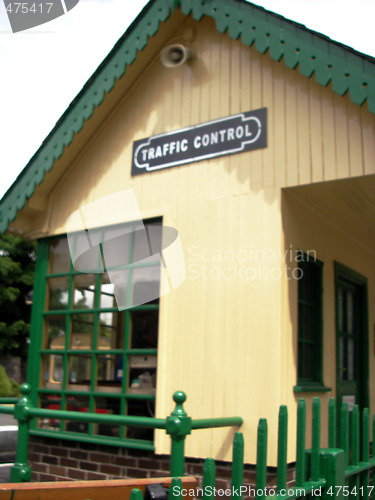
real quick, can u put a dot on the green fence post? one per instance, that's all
(332, 469)
(175, 490)
(136, 494)
(261, 464)
(282, 445)
(178, 426)
(365, 448)
(21, 471)
(237, 465)
(209, 479)
(344, 430)
(301, 441)
(332, 423)
(315, 439)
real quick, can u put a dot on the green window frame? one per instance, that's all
(310, 325)
(87, 354)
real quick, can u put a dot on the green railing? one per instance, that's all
(343, 469)
(178, 425)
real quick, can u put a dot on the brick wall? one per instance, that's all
(56, 460)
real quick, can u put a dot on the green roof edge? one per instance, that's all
(348, 70)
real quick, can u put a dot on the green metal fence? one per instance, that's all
(344, 469)
(178, 425)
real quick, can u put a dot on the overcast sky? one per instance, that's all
(43, 68)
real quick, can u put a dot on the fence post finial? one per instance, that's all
(178, 426)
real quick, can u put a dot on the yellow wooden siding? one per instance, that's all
(224, 341)
(313, 134)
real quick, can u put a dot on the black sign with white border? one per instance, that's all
(226, 136)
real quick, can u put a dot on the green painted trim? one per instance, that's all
(311, 388)
(313, 53)
(126, 443)
(36, 332)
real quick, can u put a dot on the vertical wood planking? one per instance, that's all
(279, 116)
(315, 123)
(342, 139)
(256, 100)
(368, 143)
(268, 102)
(303, 132)
(355, 140)
(291, 128)
(328, 135)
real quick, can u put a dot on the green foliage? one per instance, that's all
(17, 257)
(8, 388)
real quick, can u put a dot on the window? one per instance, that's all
(309, 363)
(93, 355)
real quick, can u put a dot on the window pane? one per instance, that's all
(120, 284)
(107, 406)
(144, 329)
(81, 404)
(117, 246)
(343, 368)
(309, 322)
(351, 347)
(340, 307)
(146, 284)
(142, 374)
(57, 295)
(82, 332)
(140, 408)
(59, 256)
(54, 332)
(147, 243)
(79, 372)
(84, 291)
(133, 287)
(86, 251)
(349, 311)
(107, 377)
(107, 293)
(111, 330)
(50, 402)
(52, 371)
